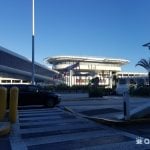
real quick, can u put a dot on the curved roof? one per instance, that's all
(55, 59)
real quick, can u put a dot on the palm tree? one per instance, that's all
(145, 64)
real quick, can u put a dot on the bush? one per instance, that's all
(74, 88)
(109, 91)
(81, 88)
(62, 87)
(140, 91)
(95, 92)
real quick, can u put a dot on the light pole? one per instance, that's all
(33, 67)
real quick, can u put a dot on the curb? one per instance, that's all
(84, 98)
(96, 119)
(108, 121)
(4, 128)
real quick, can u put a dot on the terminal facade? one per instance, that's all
(71, 70)
(78, 70)
(16, 69)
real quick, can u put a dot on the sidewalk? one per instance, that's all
(106, 110)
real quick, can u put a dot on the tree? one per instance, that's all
(145, 64)
(95, 81)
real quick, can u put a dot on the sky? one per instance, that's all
(100, 28)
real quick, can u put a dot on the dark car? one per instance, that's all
(35, 95)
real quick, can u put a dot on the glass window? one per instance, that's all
(6, 81)
(16, 81)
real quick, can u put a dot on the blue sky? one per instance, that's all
(101, 28)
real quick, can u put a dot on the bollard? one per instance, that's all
(3, 102)
(13, 104)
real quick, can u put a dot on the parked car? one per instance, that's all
(35, 95)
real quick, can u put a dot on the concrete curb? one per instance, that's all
(108, 121)
(85, 98)
(4, 128)
(96, 119)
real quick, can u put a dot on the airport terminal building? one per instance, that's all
(16, 69)
(77, 70)
(71, 70)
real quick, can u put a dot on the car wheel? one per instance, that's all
(50, 103)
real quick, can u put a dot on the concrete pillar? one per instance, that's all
(110, 79)
(70, 78)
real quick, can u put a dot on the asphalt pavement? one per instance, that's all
(57, 129)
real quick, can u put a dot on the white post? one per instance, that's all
(110, 79)
(70, 78)
(33, 67)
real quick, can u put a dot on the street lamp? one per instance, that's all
(147, 45)
(33, 67)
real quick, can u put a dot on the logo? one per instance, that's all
(141, 140)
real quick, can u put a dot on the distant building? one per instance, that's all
(4, 80)
(15, 68)
(131, 75)
(130, 79)
(78, 70)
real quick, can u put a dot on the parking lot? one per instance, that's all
(55, 128)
